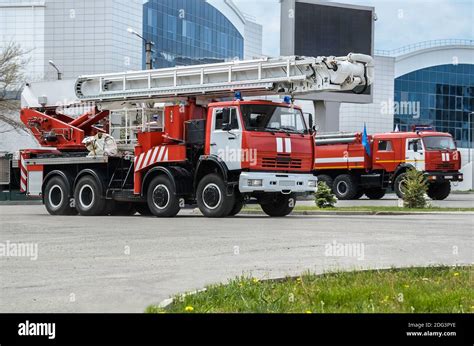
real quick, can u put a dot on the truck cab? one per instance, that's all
(266, 146)
(431, 152)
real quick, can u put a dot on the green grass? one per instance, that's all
(367, 209)
(429, 290)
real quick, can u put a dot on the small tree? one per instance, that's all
(324, 197)
(13, 60)
(415, 188)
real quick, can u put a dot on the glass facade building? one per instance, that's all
(445, 95)
(189, 32)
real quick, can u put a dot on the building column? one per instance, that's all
(327, 115)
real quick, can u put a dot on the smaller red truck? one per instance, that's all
(342, 161)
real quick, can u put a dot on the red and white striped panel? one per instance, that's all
(150, 157)
(24, 173)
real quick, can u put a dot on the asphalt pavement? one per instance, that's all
(123, 264)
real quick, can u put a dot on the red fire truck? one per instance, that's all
(185, 136)
(345, 165)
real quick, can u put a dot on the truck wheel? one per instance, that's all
(345, 187)
(161, 197)
(440, 191)
(399, 185)
(212, 198)
(88, 197)
(327, 179)
(375, 193)
(280, 206)
(56, 197)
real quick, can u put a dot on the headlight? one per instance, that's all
(312, 183)
(255, 182)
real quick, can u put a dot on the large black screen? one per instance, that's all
(329, 30)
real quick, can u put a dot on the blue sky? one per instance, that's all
(400, 22)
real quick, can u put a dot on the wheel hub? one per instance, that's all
(161, 196)
(211, 196)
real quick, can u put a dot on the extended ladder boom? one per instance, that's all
(289, 75)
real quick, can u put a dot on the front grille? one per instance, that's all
(281, 162)
(446, 166)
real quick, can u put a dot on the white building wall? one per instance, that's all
(22, 22)
(88, 36)
(253, 40)
(378, 116)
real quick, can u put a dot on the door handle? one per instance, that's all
(213, 144)
(231, 138)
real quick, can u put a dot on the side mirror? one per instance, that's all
(226, 127)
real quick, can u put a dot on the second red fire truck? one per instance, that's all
(351, 171)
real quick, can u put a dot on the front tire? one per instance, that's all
(399, 185)
(279, 206)
(440, 191)
(345, 187)
(161, 198)
(212, 198)
(88, 197)
(56, 197)
(375, 193)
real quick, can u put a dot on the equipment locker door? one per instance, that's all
(415, 153)
(226, 136)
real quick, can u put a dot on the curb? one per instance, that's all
(355, 213)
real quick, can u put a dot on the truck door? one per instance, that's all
(226, 136)
(384, 155)
(415, 153)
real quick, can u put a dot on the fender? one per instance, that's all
(213, 160)
(179, 177)
(66, 176)
(95, 174)
(400, 168)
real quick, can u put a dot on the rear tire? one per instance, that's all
(345, 187)
(56, 197)
(88, 197)
(212, 198)
(439, 192)
(279, 206)
(161, 197)
(398, 185)
(375, 193)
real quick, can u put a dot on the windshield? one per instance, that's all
(439, 143)
(273, 118)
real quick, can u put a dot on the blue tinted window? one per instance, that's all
(444, 95)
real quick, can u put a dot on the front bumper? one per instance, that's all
(438, 177)
(277, 182)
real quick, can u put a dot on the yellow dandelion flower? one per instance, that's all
(406, 286)
(255, 280)
(308, 312)
(188, 308)
(456, 274)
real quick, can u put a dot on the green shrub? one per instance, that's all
(324, 197)
(415, 188)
